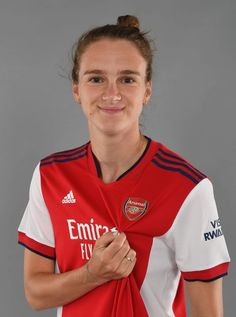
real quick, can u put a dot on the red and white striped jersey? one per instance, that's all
(166, 208)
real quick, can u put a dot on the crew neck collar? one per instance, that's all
(95, 169)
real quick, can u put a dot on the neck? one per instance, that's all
(117, 153)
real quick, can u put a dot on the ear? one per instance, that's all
(75, 92)
(148, 92)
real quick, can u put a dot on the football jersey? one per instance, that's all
(163, 204)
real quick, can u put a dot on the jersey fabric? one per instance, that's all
(163, 204)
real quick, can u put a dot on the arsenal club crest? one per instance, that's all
(135, 208)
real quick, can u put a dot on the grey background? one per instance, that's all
(192, 109)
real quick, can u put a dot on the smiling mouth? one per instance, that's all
(111, 110)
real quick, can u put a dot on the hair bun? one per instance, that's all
(128, 21)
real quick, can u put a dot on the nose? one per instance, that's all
(111, 93)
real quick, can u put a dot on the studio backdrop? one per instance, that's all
(192, 109)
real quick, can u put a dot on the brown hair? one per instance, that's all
(127, 28)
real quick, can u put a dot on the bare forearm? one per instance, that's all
(209, 310)
(47, 290)
(206, 299)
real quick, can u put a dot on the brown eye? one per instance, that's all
(96, 80)
(127, 80)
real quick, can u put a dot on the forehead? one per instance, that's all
(112, 55)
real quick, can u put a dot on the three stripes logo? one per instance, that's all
(69, 198)
(166, 160)
(66, 156)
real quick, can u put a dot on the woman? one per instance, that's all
(125, 219)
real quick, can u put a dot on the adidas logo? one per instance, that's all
(69, 198)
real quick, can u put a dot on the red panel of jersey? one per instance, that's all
(164, 205)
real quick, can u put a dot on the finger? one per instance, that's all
(125, 268)
(115, 245)
(129, 267)
(105, 240)
(130, 256)
(120, 254)
(123, 257)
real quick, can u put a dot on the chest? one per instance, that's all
(82, 209)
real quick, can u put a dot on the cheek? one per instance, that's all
(89, 104)
(136, 96)
(137, 104)
(92, 97)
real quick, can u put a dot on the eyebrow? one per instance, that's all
(101, 72)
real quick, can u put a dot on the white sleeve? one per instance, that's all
(35, 229)
(196, 236)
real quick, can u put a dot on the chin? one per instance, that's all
(112, 131)
(109, 127)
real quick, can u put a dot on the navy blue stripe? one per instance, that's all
(179, 159)
(171, 155)
(61, 154)
(210, 280)
(39, 253)
(65, 160)
(176, 170)
(180, 164)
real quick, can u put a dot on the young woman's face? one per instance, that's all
(112, 87)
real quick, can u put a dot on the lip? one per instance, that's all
(111, 110)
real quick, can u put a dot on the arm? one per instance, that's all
(45, 289)
(200, 250)
(205, 298)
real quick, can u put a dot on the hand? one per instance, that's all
(112, 258)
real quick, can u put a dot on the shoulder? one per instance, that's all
(65, 156)
(175, 166)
